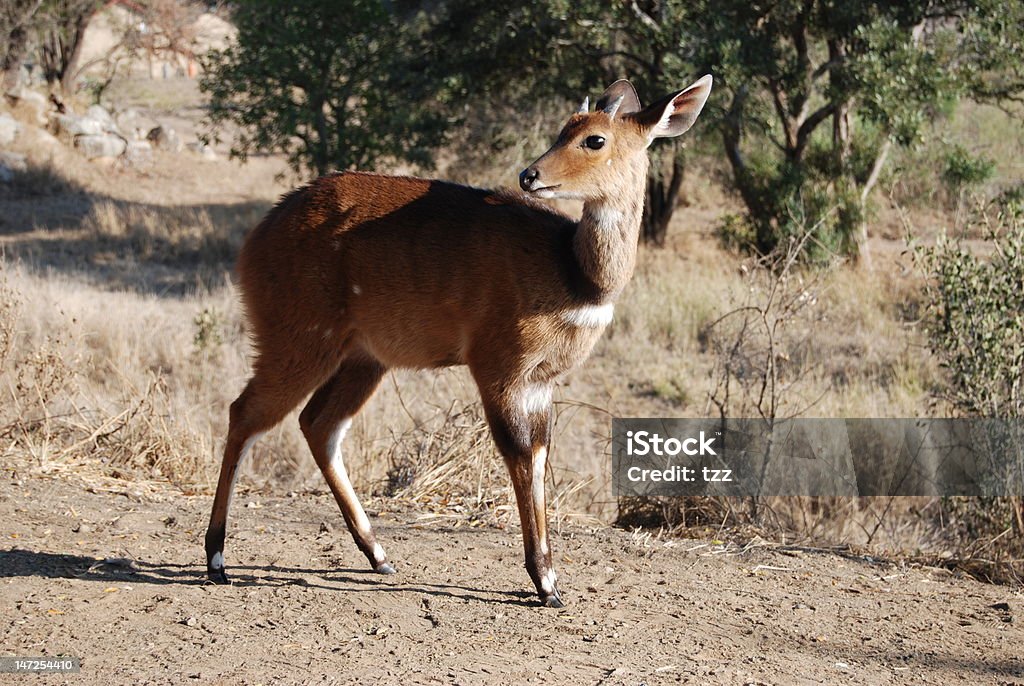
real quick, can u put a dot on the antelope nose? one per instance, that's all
(528, 178)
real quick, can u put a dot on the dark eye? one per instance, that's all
(594, 142)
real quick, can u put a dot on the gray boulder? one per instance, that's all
(14, 160)
(203, 150)
(10, 164)
(165, 138)
(101, 145)
(69, 126)
(29, 105)
(131, 124)
(101, 115)
(9, 129)
(139, 154)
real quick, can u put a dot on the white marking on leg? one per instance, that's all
(539, 464)
(536, 398)
(357, 289)
(249, 443)
(590, 315)
(337, 465)
(378, 553)
(548, 581)
(217, 561)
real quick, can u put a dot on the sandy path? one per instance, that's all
(304, 610)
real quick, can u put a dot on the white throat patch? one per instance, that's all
(607, 219)
(590, 315)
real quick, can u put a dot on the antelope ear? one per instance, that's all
(621, 91)
(676, 112)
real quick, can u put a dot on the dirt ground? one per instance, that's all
(113, 574)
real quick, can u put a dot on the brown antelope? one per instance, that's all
(357, 273)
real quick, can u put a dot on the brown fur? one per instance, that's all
(356, 273)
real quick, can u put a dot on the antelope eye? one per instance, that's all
(594, 142)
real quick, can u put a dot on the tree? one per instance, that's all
(810, 95)
(831, 85)
(15, 26)
(61, 28)
(323, 83)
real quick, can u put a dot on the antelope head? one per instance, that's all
(598, 151)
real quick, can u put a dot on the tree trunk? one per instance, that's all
(661, 202)
(74, 53)
(841, 116)
(11, 68)
(62, 48)
(863, 252)
(841, 135)
(15, 21)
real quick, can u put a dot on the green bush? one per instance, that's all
(975, 324)
(963, 170)
(976, 315)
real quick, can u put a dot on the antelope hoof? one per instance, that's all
(384, 568)
(217, 576)
(552, 601)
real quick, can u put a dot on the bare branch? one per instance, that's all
(644, 18)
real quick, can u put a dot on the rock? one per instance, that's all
(131, 123)
(139, 154)
(103, 117)
(9, 129)
(10, 164)
(164, 138)
(203, 150)
(29, 106)
(101, 145)
(14, 161)
(41, 138)
(69, 126)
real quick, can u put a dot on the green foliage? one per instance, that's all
(963, 170)
(821, 89)
(329, 84)
(976, 316)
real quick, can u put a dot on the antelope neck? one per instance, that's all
(606, 236)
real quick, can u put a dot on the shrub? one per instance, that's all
(975, 320)
(975, 325)
(963, 170)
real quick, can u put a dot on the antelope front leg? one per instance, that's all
(522, 433)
